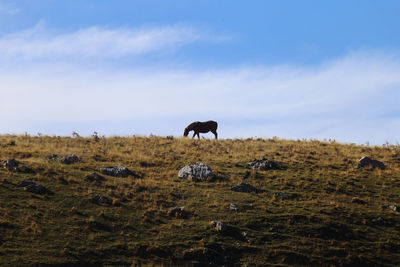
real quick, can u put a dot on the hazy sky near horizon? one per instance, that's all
(292, 69)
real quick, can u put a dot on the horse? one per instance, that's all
(201, 127)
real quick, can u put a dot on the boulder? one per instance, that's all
(196, 172)
(100, 200)
(382, 221)
(219, 226)
(392, 207)
(69, 159)
(24, 183)
(358, 200)
(11, 143)
(233, 207)
(36, 189)
(177, 212)
(11, 165)
(243, 187)
(52, 156)
(117, 171)
(33, 187)
(280, 194)
(24, 169)
(367, 161)
(264, 164)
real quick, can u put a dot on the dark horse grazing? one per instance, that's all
(202, 127)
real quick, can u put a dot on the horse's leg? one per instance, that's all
(198, 135)
(215, 133)
(194, 134)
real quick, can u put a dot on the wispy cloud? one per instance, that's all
(351, 99)
(99, 42)
(7, 8)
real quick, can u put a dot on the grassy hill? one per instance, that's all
(330, 214)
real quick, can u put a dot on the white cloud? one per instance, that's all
(99, 42)
(352, 99)
(8, 9)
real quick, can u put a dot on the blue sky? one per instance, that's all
(292, 69)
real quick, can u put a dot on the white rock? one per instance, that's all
(196, 172)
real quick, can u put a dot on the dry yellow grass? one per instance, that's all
(332, 214)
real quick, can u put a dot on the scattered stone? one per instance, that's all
(52, 156)
(25, 169)
(378, 221)
(11, 165)
(94, 177)
(11, 143)
(100, 200)
(233, 207)
(358, 200)
(219, 226)
(69, 159)
(24, 183)
(383, 222)
(75, 134)
(243, 187)
(392, 207)
(367, 161)
(117, 171)
(177, 212)
(196, 172)
(264, 164)
(280, 194)
(36, 189)
(95, 136)
(146, 164)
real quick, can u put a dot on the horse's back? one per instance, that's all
(203, 126)
(212, 125)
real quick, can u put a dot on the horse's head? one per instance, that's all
(186, 132)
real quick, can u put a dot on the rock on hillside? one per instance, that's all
(117, 171)
(32, 187)
(196, 172)
(69, 159)
(99, 200)
(243, 187)
(265, 165)
(219, 226)
(367, 161)
(36, 188)
(11, 165)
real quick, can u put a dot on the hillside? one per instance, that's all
(316, 209)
